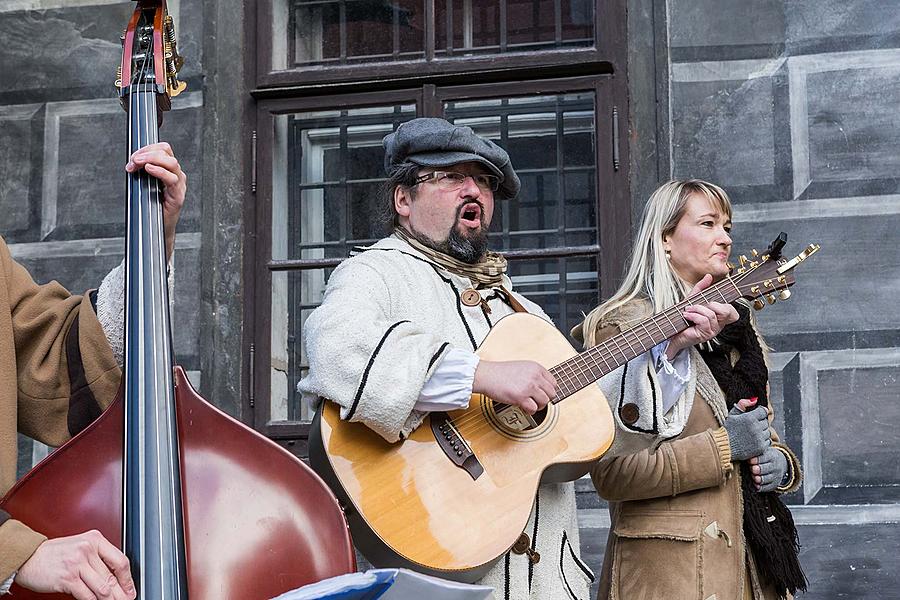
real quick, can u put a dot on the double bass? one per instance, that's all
(204, 507)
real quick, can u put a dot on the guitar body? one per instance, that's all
(408, 504)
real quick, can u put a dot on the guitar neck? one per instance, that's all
(584, 369)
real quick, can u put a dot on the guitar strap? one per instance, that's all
(511, 300)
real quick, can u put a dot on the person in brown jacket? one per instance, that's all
(693, 473)
(41, 326)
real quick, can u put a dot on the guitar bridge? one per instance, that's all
(454, 445)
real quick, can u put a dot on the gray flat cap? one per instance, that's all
(434, 142)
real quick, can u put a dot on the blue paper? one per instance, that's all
(387, 584)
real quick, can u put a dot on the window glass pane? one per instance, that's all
(550, 139)
(565, 299)
(335, 32)
(294, 296)
(327, 175)
(491, 26)
(340, 32)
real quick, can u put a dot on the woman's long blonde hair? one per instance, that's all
(649, 272)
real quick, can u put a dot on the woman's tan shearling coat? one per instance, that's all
(675, 503)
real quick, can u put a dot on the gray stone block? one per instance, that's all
(726, 22)
(723, 131)
(60, 49)
(17, 171)
(186, 317)
(850, 562)
(83, 192)
(77, 271)
(54, 51)
(849, 285)
(859, 415)
(838, 20)
(854, 133)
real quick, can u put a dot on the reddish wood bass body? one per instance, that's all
(258, 521)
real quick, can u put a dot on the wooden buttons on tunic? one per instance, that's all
(470, 297)
(523, 546)
(629, 413)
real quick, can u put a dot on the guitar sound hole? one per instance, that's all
(516, 419)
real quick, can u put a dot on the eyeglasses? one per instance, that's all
(450, 181)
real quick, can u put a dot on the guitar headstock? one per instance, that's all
(150, 55)
(762, 276)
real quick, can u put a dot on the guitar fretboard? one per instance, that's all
(583, 369)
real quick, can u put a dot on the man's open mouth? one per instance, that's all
(470, 215)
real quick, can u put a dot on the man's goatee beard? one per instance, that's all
(468, 249)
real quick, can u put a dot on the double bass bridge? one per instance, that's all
(454, 445)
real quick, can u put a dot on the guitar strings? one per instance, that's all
(569, 375)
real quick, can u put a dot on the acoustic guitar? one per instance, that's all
(453, 498)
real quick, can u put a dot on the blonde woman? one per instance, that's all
(693, 476)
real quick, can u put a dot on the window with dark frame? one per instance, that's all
(323, 32)
(321, 168)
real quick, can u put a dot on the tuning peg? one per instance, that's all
(770, 298)
(784, 294)
(754, 252)
(730, 266)
(743, 259)
(758, 304)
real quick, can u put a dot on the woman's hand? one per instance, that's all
(707, 321)
(769, 469)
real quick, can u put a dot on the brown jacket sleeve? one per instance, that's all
(64, 375)
(17, 543)
(689, 463)
(675, 466)
(57, 373)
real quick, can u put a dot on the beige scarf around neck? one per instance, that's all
(488, 272)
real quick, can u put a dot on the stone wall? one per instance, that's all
(791, 106)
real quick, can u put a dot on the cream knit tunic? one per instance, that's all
(387, 318)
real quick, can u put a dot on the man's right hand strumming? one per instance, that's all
(521, 383)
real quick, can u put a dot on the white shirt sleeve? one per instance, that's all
(4, 587)
(450, 384)
(673, 375)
